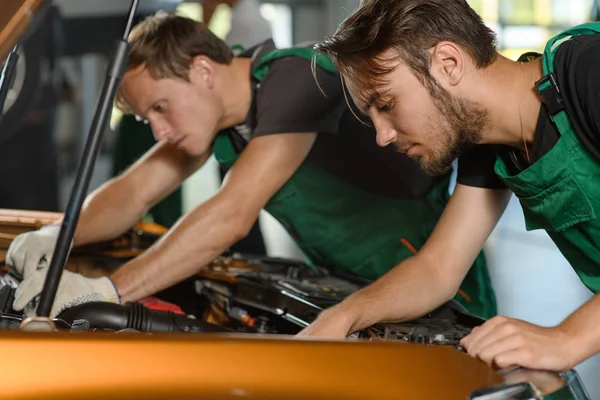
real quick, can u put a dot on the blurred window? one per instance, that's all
(279, 17)
(526, 25)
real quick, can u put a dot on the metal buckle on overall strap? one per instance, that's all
(550, 93)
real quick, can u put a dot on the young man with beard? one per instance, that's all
(428, 74)
(290, 149)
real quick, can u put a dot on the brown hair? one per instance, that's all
(411, 28)
(165, 44)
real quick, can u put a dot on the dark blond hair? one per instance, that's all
(411, 28)
(165, 44)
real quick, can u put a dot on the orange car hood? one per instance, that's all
(175, 366)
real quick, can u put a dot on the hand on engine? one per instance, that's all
(31, 251)
(505, 342)
(330, 324)
(74, 289)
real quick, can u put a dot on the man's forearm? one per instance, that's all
(108, 212)
(192, 243)
(397, 296)
(432, 277)
(582, 329)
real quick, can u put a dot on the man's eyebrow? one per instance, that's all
(373, 97)
(144, 114)
(147, 109)
(133, 110)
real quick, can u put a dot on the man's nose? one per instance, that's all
(386, 133)
(160, 129)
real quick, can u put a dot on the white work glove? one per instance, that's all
(73, 290)
(31, 251)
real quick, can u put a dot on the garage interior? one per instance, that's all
(63, 60)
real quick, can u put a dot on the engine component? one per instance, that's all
(134, 316)
(269, 295)
(446, 326)
(106, 316)
(8, 320)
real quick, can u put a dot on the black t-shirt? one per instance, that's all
(581, 87)
(577, 70)
(476, 168)
(288, 100)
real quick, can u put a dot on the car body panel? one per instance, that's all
(125, 365)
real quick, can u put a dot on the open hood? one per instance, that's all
(15, 18)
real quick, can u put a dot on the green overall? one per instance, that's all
(560, 192)
(339, 225)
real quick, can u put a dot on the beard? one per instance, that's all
(462, 124)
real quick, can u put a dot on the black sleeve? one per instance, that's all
(476, 168)
(593, 92)
(583, 87)
(289, 99)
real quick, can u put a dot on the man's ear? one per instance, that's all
(202, 68)
(447, 63)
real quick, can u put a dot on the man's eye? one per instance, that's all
(159, 108)
(386, 107)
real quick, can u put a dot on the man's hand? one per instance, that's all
(31, 251)
(504, 342)
(73, 290)
(330, 324)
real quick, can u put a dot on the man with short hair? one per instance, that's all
(296, 152)
(428, 74)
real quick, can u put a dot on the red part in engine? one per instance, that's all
(154, 303)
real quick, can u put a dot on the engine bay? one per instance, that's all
(260, 297)
(247, 294)
(271, 296)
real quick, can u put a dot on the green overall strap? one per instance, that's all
(222, 143)
(559, 191)
(307, 53)
(548, 85)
